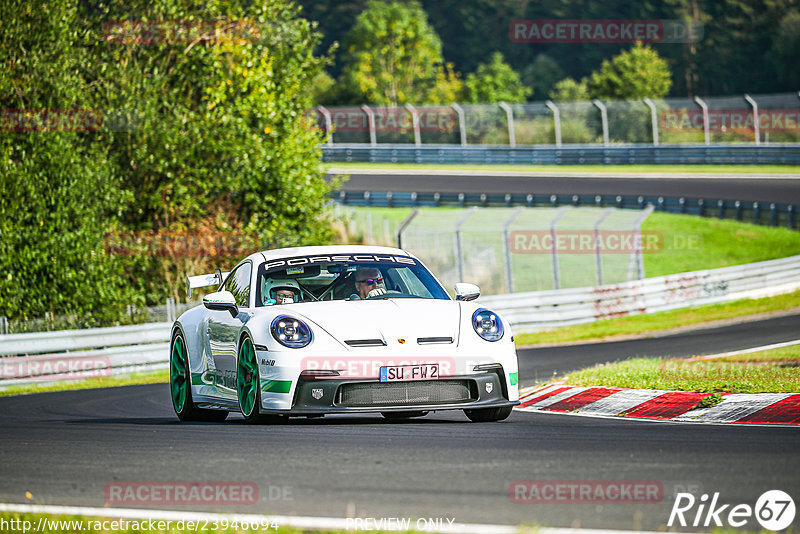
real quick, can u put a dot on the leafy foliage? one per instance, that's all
(395, 57)
(202, 135)
(568, 90)
(735, 55)
(495, 81)
(57, 186)
(636, 73)
(786, 49)
(541, 75)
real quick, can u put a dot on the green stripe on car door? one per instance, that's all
(513, 377)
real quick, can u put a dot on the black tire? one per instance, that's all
(180, 383)
(488, 415)
(403, 415)
(248, 387)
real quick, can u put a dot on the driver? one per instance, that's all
(369, 283)
(281, 292)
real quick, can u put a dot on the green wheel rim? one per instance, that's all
(177, 374)
(247, 377)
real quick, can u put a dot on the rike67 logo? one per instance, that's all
(774, 510)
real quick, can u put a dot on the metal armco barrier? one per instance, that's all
(37, 357)
(549, 309)
(770, 214)
(75, 354)
(641, 154)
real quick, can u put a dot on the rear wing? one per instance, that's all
(204, 280)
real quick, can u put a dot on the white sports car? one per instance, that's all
(310, 331)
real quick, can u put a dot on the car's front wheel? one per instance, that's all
(180, 385)
(487, 415)
(248, 386)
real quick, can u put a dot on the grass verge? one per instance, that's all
(691, 243)
(67, 524)
(652, 323)
(783, 354)
(718, 169)
(703, 376)
(149, 377)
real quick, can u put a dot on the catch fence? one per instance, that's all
(754, 119)
(508, 250)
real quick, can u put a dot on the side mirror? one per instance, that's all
(466, 291)
(221, 301)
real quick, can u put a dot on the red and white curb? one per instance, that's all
(743, 408)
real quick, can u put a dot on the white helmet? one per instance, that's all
(269, 288)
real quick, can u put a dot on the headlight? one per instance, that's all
(291, 332)
(487, 325)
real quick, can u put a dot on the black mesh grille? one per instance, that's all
(402, 393)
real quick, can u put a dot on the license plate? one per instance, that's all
(400, 373)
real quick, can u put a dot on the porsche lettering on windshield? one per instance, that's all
(315, 260)
(347, 277)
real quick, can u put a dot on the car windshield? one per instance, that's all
(344, 277)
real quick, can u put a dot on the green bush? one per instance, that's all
(214, 142)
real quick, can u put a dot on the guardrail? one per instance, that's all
(540, 310)
(771, 214)
(33, 357)
(76, 354)
(642, 154)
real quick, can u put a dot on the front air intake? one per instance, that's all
(368, 394)
(434, 340)
(365, 342)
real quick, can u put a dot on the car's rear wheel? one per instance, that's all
(248, 386)
(487, 415)
(180, 385)
(403, 415)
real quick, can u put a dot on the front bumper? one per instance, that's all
(465, 392)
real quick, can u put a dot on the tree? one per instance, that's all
(495, 81)
(636, 73)
(60, 194)
(542, 75)
(395, 57)
(568, 90)
(786, 49)
(215, 142)
(323, 88)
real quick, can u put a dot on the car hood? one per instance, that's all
(386, 319)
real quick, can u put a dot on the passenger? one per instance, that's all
(281, 292)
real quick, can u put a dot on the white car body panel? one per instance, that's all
(213, 339)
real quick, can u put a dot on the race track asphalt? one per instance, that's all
(66, 447)
(761, 189)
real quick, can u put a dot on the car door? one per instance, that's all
(223, 330)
